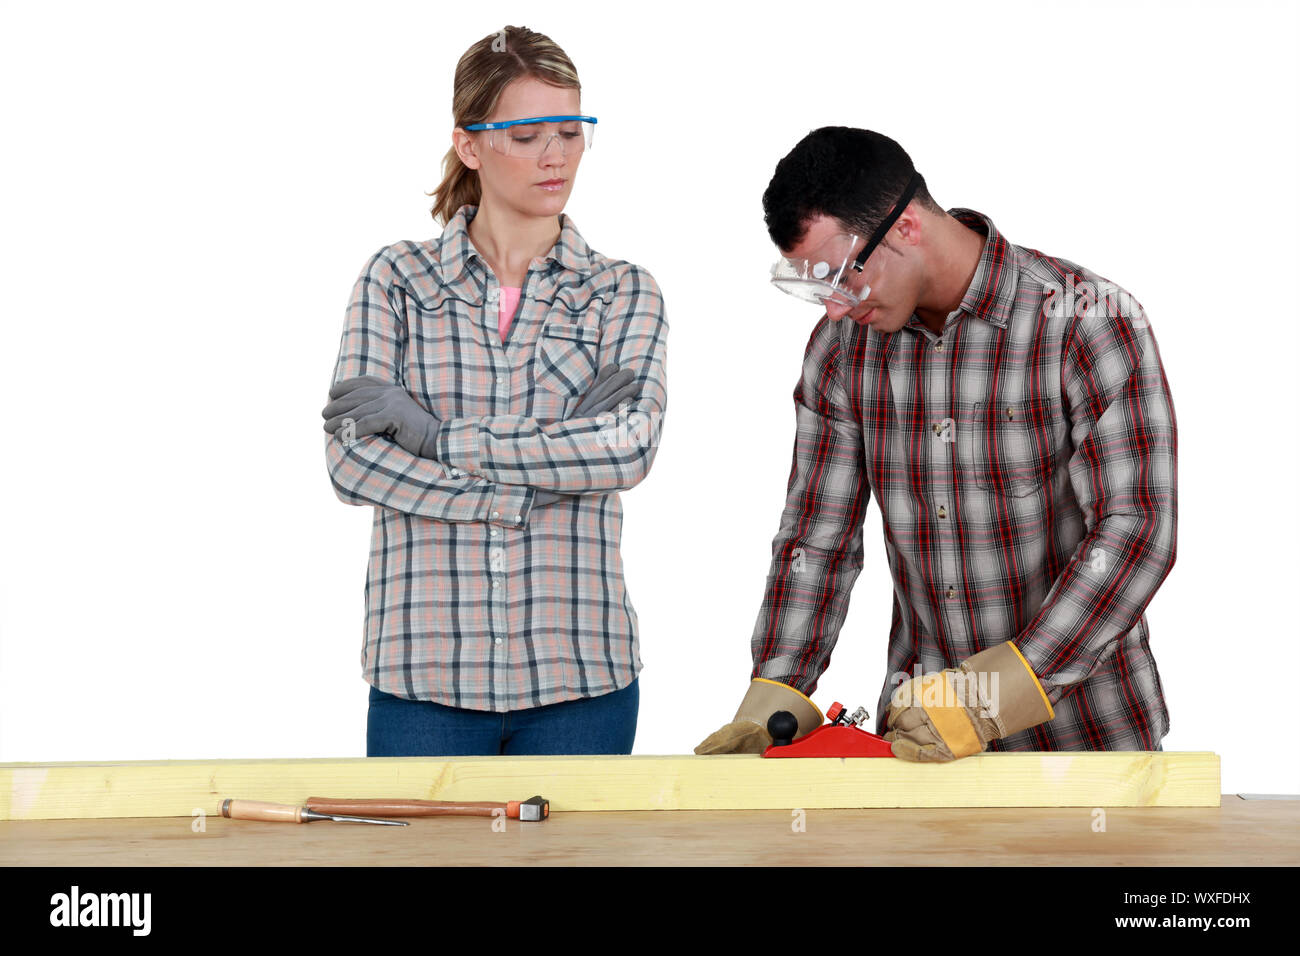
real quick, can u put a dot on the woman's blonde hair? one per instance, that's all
(487, 68)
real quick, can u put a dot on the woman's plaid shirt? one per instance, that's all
(473, 598)
(1024, 461)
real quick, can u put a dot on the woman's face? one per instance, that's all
(517, 181)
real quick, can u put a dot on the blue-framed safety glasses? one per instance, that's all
(532, 136)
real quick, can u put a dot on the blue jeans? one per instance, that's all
(397, 727)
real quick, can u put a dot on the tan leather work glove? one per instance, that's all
(747, 732)
(955, 712)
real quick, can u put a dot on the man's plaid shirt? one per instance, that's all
(473, 598)
(1024, 461)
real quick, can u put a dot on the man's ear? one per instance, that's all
(909, 226)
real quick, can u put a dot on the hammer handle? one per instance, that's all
(411, 808)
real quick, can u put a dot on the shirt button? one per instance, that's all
(518, 518)
(500, 379)
(938, 346)
(1011, 413)
(494, 532)
(496, 514)
(951, 592)
(492, 294)
(496, 583)
(498, 640)
(943, 512)
(938, 428)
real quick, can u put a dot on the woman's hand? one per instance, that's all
(612, 387)
(377, 408)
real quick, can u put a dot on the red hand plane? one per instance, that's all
(841, 737)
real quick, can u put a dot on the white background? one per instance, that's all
(190, 191)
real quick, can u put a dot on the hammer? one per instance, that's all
(536, 808)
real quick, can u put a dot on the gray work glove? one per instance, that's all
(378, 407)
(612, 386)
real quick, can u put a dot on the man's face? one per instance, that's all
(891, 299)
(524, 182)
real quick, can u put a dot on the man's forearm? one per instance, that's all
(1099, 596)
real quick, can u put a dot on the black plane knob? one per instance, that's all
(782, 725)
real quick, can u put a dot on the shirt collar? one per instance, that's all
(992, 292)
(456, 250)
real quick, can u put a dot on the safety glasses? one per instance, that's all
(825, 276)
(532, 136)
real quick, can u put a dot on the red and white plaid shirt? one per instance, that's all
(1024, 461)
(473, 598)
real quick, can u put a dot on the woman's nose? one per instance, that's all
(555, 155)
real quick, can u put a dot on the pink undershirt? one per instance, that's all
(509, 302)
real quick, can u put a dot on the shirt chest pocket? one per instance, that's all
(1013, 446)
(566, 358)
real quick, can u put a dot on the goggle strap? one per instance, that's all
(887, 223)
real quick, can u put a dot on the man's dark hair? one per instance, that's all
(853, 175)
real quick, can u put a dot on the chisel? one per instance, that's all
(284, 813)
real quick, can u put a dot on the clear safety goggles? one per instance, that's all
(826, 276)
(532, 137)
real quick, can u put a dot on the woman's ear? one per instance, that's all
(466, 148)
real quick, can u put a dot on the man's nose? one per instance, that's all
(835, 311)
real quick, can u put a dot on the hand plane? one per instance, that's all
(842, 736)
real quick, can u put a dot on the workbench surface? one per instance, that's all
(1238, 833)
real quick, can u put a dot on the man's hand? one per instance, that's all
(612, 386)
(956, 712)
(747, 732)
(378, 407)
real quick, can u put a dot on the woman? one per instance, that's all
(484, 389)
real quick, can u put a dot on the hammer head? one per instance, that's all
(536, 808)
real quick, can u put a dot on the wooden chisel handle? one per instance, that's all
(408, 808)
(258, 810)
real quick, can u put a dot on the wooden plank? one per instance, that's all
(1240, 833)
(30, 791)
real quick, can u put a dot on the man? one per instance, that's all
(1011, 413)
